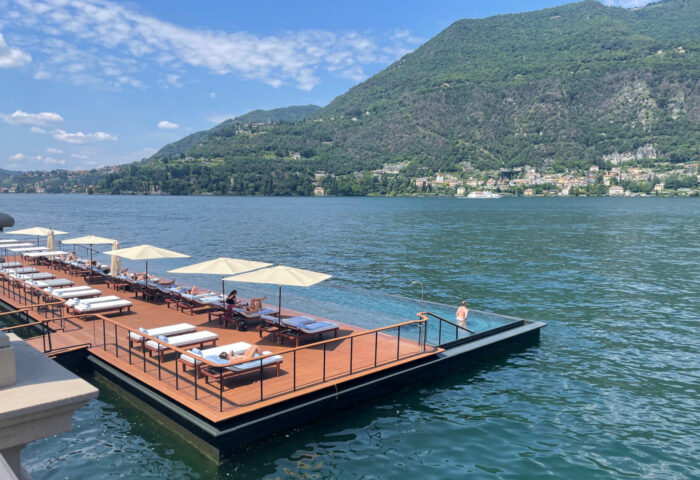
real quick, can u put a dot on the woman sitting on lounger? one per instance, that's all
(231, 303)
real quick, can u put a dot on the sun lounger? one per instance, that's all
(104, 307)
(238, 348)
(90, 292)
(36, 276)
(10, 264)
(182, 341)
(25, 270)
(53, 283)
(298, 328)
(216, 374)
(199, 303)
(75, 301)
(253, 315)
(68, 289)
(168, 330)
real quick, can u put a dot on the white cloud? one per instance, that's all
(627, 3)
(12, 57)
(53, 161)
(17, 156)
(37, 130)
(173, 80)
(53, 150)
(135, 39)
(167, 125)
(23, 118)
(79, 156)
(212, 95)
(80, 137)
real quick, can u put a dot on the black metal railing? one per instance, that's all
(339, 357)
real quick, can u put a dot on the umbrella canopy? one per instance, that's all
(281, 275)
(38, 231)
(145, 252)
(51, 241)
(115, 266)
(89, 240)
(221, 266)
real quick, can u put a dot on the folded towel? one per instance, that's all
(143, 330)
(196, 351)
(163, 338)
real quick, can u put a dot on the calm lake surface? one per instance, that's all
(610, 391)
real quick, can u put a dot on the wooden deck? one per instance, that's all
(302, 370)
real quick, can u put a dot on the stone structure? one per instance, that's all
(37, 400)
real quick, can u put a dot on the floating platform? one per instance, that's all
(314, 379)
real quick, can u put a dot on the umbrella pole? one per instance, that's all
(146, 273)
(279, 307)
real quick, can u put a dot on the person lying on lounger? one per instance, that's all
(249, 354)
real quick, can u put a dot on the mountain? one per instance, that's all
(556, 89)
(277, 115)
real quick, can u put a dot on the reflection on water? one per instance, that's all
(610, 391)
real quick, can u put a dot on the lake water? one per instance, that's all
(610, 391)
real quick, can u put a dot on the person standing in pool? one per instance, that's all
(462, 314)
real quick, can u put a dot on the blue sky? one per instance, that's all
(88, 83)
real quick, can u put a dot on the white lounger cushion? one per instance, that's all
(259, 313)
(171, 330)
(86, 307)
(59, 291)
(79, 293)
(239, 348)
(253, 364)
(184, 340)
(92, 301)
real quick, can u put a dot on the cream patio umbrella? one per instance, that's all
(115, 266)
(51, 241)
(281, 275)
(145, 252)
(222, 266)
(38, 232)
(89, 240)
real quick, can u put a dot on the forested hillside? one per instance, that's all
(557, 89)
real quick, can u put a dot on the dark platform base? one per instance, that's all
(226, 437)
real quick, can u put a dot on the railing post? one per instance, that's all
(221, 389)
(261, 380)
(376, 341)
(294, 372)
(116, 341)
(159, 361)
(177, 375)
(196, 375)
(439, 332)
(425, 334)
(143, 352)
(398, 343)
(456, 332)
(324, 362)
(104, 335)
(351, 345)
(129, 337)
